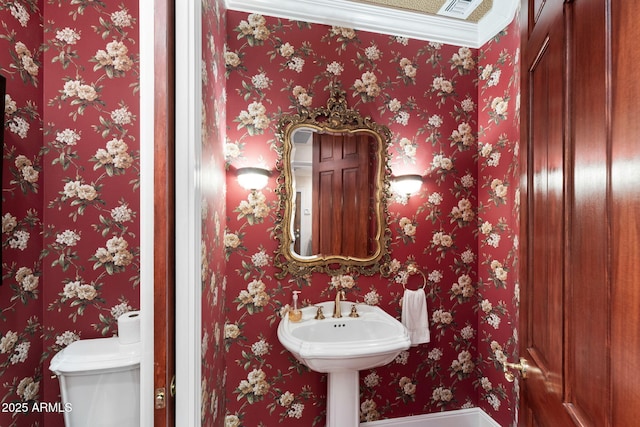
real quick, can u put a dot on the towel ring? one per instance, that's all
(412, 269)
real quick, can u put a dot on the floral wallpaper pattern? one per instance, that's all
(454, 118)
(453, 115)
(213, 213)
(70, 237)
(498, 221)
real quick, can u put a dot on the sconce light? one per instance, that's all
(406, 185)
(253, 178)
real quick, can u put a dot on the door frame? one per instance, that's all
(187, 207)
(147, 111)
(164, 214)
(188, 155)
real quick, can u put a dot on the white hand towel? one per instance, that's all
(414, 316)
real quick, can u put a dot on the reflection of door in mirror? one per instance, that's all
(335, 184)
(301, 155)
(296, 222)
(342, 193)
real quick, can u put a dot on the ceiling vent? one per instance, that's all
(302, 136)
(459, 8)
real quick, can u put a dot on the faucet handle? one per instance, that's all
(319, 313)
(354, 311)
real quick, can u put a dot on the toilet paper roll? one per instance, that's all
(129, 327)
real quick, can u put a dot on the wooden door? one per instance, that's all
(625, 215)
(542, 298)
(341, 194)
(587, 301)
(580, 303)
(164, 217)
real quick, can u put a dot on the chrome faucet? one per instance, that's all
(337, 312)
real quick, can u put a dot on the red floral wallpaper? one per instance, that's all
(70, 241)
(213, 213)
(452, 112)
(21, 372)
(498, 221)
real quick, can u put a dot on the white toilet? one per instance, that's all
(99, 383)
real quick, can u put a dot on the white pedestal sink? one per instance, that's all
(341, 347)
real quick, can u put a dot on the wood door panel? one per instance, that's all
(588, 296)
(350, 147)
(353, 223)
(324, 214)
(544, 337)
(625, 218)
(341, 193)
(546, 409)
(599, 381)
(539, 337)
(544, 393)
(325, 147)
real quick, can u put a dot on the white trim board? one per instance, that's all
(473, 417)
(385, 20)
(188, 241)
(146, 209)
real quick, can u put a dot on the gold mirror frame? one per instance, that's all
(338, 118)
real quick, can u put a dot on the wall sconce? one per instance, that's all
(253, 179)
(406, 185)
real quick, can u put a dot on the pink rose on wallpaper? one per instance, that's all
(499, 109)
(254, 298)
(255, 29)
(114, 59)
(463, 61)
(302, 97)
(25, 61)
(115, 158)
(255, 209)
(114, 257)
(367, 87)
(254, 119)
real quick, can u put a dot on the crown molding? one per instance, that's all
(384, 20)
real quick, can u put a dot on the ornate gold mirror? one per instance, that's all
(333, 187)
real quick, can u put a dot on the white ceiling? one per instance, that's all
(388, 20)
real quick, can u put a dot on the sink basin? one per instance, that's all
(341, 347)
(346, 343)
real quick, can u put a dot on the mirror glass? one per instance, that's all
(333, 188)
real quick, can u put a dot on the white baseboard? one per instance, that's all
(473, 417)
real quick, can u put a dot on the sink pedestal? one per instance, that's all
(343, 399)
(342, 348)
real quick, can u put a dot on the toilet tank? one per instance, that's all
(99, 383)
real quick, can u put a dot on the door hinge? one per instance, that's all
(160, 398)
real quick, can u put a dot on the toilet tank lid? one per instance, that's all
(95, 354)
